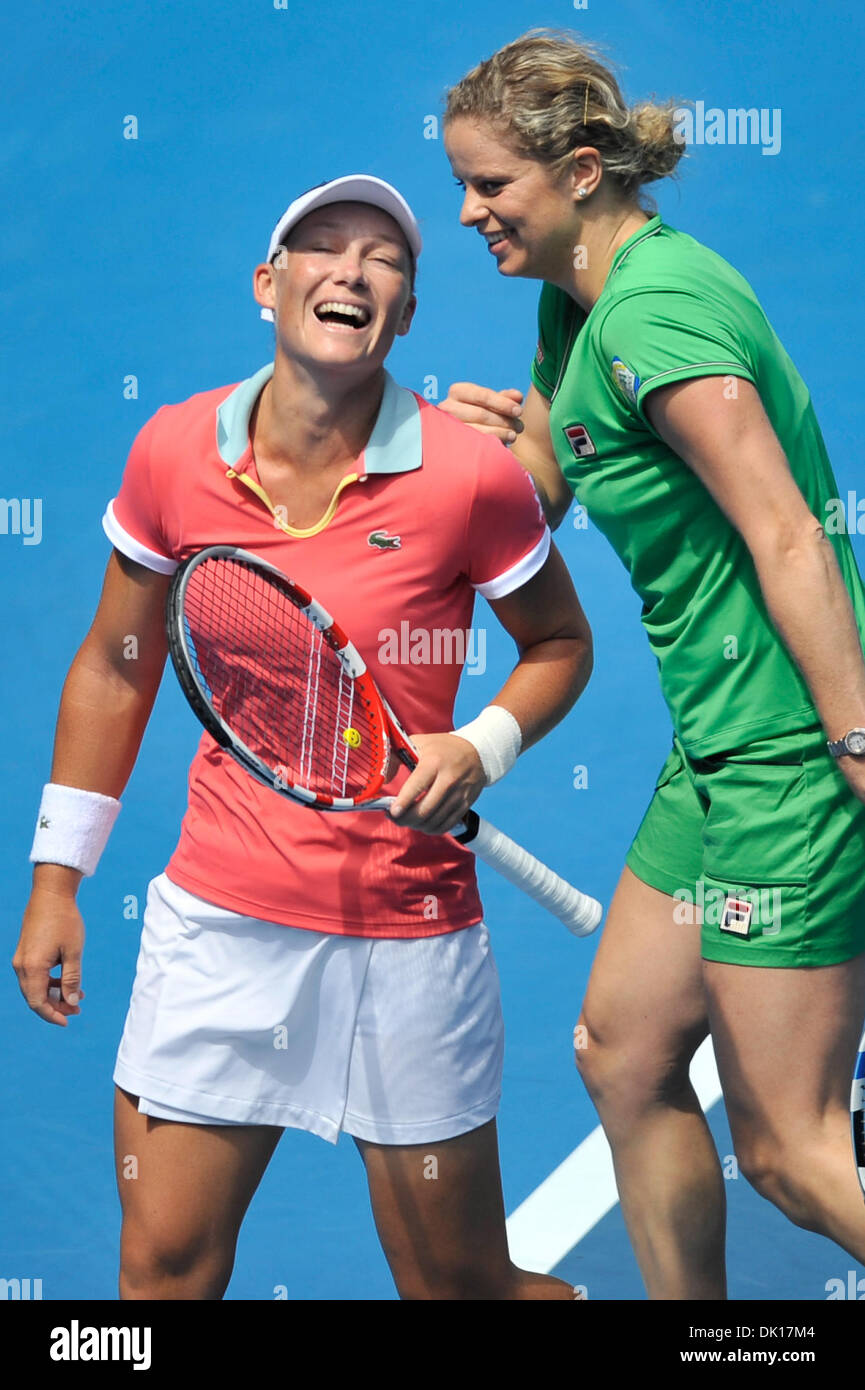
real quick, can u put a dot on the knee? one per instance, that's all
(162, 1262)
(785, 1177)
(594, 1060)
(626, 1074)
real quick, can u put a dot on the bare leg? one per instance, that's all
(184, 1190)
(644, 1017)
(440, 1217)
(786, 1043)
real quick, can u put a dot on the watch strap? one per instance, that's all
(840, 747)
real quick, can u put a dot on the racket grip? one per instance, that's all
(580, 914)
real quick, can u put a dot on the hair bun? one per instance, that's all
(659, 147)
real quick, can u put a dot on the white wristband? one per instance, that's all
(72, 827)
(497, 738)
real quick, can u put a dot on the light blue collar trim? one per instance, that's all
(232, 417)
(395, 445)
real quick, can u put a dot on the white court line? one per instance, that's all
(580, 1192)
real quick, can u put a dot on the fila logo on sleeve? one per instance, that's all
(580, 441)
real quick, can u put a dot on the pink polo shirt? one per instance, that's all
(435, 513)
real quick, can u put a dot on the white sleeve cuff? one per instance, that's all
(518, 574)
(132, 548)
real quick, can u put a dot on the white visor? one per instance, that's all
(351, 188)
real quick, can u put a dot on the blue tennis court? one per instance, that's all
(148, 151)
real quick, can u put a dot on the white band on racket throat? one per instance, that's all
(497, 738)
(72, 827)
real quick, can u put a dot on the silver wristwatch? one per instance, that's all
(852, 743)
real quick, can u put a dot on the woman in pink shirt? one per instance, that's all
(331, 973)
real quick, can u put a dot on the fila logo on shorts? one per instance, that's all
(736, 916)
(580, 441)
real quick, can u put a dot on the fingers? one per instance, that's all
(508, 402)
(434, 814)
(437, 813)
(70, 980)
(43, 994)
(440, 790)
(506, 433)
(54, 1000)
(414, 787)
(490, 412)
(64, 1005)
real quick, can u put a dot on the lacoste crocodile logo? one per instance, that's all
(380, 540)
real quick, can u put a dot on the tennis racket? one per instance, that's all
(857, 1112)
(279, 686)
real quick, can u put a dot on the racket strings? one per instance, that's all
(310, 711)
(341, 751)
(338, 727)
(277, 683)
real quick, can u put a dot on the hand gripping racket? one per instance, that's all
(280, 687)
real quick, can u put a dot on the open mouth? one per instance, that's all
(343, 315)
(495, 239)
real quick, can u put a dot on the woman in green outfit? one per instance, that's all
(662, 398)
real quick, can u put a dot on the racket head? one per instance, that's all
(275, 681)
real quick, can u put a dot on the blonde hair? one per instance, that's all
(548, 93)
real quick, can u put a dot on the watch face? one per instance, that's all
(856, 742)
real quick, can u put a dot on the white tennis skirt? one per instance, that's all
(238, 1021)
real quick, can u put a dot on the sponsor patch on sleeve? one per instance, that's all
(627, 381)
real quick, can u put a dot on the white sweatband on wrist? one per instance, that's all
(72, 827)
(497, 738)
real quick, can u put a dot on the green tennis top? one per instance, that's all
(672, 309)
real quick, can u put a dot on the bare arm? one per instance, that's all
(106, 702)
(112, 683)
(554, 642)
(731, 446)
(525, 428)
(534, 450)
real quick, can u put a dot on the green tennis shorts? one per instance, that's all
(767, 843)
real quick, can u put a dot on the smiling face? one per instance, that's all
(340, 287)
(527, 217)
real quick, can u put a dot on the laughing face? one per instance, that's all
(526, 216)
(340, 287)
